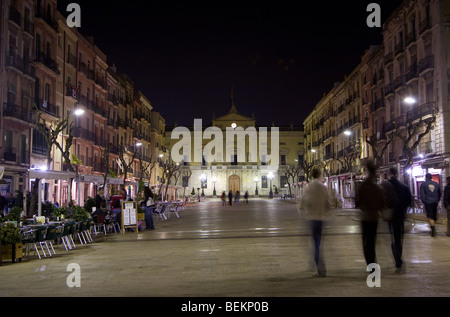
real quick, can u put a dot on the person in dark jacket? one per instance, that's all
(430, 194)
(447, 204)
(398, 198)
(370, 199)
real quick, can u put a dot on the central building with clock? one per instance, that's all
(256, 165)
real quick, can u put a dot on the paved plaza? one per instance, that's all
(259, 249)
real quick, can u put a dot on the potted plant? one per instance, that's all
(79, 213)
(12, 247)
(14, 214)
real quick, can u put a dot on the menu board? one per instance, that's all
(129, 215)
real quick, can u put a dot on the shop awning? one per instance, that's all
(51, 174)
(2, 171)
(436, 162)
(86, 178)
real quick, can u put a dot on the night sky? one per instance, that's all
(280, 57)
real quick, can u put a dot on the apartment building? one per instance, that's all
(401, 104)
(48, 72)
(17, 86)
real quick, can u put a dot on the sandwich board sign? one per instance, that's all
(129, 216)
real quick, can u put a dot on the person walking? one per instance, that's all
(370, 199)
(430, 194)
(446, 202)
(398, 198)
(237, 196)
(230, 198)
(223, 197)
(149, 207)
(246, 196)
(315, 204)
(10, 202)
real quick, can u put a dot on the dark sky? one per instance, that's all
(280, 56)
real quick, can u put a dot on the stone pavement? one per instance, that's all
(257, 250)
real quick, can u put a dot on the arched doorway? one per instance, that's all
(234, 183)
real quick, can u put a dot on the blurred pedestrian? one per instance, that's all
(398, 198)
(230, 198)
(246, 196)
(10, 202)
(2, 205)
(149, 207)
(237, 196)
(371, 200)
(224, 198)
(447, 204)
(315, 205)
(430, 194)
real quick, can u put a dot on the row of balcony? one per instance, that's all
(47, 60)
(46, 16)
(25, 67)
(16, 17)
(12, 155)
(11, 110)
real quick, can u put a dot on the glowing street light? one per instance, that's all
(256, 185)
(270, 178)
(348, 132)
(79, 112)
(410, 100)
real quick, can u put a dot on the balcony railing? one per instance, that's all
(13, 60)
(28, 26)
(18, 112)
(412, 72)
(15, 16)
(72, 59)
(83, 133)
(47, 107)
(424, 25)
(389, 57)
(397, 122)
(45, 16)
(421, 112)
(46, 60)
(425, 63)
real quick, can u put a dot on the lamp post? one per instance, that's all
(78, 112)
(256, 185)
(270, 178)
(214, 180)
(202, 179)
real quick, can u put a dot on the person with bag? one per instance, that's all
(398, 200)
(149, 207)
(370, 199)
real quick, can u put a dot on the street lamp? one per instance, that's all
(270, 178)
(202, 179)
(78, 112)
(256, 186)
(410, 100)
(348, 132)
(214, 180)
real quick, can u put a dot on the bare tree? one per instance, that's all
(171, 169)
(377, 151)
(306, 167)
(51, 132)
(349, 155)
(125, 161)
(418, 125)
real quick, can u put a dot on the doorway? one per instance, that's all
(234, 183)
